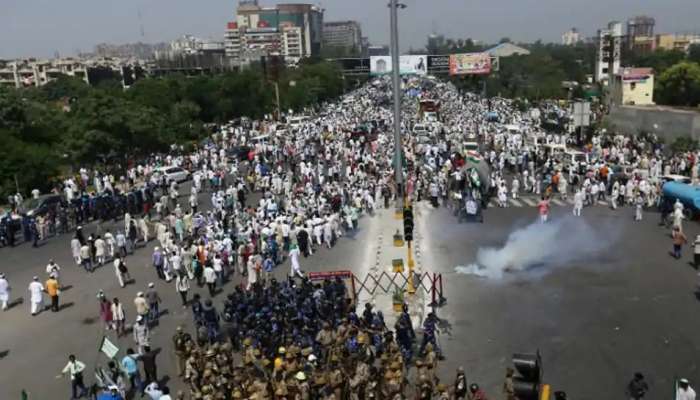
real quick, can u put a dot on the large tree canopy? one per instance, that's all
(66, 123)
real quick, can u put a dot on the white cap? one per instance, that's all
(151, 284)
(683, 380)
(139, 318)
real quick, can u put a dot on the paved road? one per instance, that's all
(35, 348)
(596, 320)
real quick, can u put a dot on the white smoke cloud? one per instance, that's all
(549, 245)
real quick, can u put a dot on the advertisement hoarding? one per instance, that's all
(353, 65)
(470, 64)
(438, 63)
(409, 65)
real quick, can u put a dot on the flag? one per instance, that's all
(473, 156)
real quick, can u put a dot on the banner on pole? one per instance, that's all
(108, 348)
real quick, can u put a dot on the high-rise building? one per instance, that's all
(640, 26)
(435, 43)
(640, 34)
(571, 37)
(291, 30)
(343, 34)
(609, 51)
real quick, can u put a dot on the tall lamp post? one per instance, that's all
(394, 5)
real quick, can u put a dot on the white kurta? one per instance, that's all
(36, 290)
(294, 257)
(4, 290)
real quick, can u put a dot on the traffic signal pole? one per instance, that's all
(411, 276)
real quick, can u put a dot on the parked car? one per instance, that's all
(173, 174)
(41, 205)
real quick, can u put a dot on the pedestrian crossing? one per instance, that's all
(533, 201)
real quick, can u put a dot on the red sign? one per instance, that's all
(263, 24)
(320, 276)
(232, 25)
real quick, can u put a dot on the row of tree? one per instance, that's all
(50, 130)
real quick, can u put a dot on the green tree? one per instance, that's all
(159, 94)
(694, 53)
(680, 85)
(660, 60)
(65, 87)
(106, 125)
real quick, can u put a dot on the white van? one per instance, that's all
(570, 156)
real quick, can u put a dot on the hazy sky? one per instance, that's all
(42, 27)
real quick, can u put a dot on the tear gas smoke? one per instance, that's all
(555, 243)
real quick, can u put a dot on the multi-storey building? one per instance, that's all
(571, 37)
(679, 42)
(343, 34)
(292, 44)
(608, 55)
(32, 72)
(291, 30)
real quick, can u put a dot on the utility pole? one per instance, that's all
(396, 79)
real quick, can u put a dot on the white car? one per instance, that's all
(173, 174)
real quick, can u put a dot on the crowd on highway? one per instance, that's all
(280, 191)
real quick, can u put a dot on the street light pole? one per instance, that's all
(396, 78)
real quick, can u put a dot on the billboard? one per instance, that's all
(409, 65)
(470, 64)
(438, 63)
(353, 65)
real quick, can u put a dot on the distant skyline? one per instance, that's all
(39, 28)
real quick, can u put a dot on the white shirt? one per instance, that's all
(50, 268)
(153, 391)
(209, 275)
(217, 264)
(36, 289)
(685, 394)
(4, 286)
(73, 368)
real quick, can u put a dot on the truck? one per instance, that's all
(429, 110)
(688, 195)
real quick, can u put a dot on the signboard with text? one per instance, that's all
(108, 348)
(319, 276)
(438, 63)
(409, 65)
(353, 65)
(470, 64)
